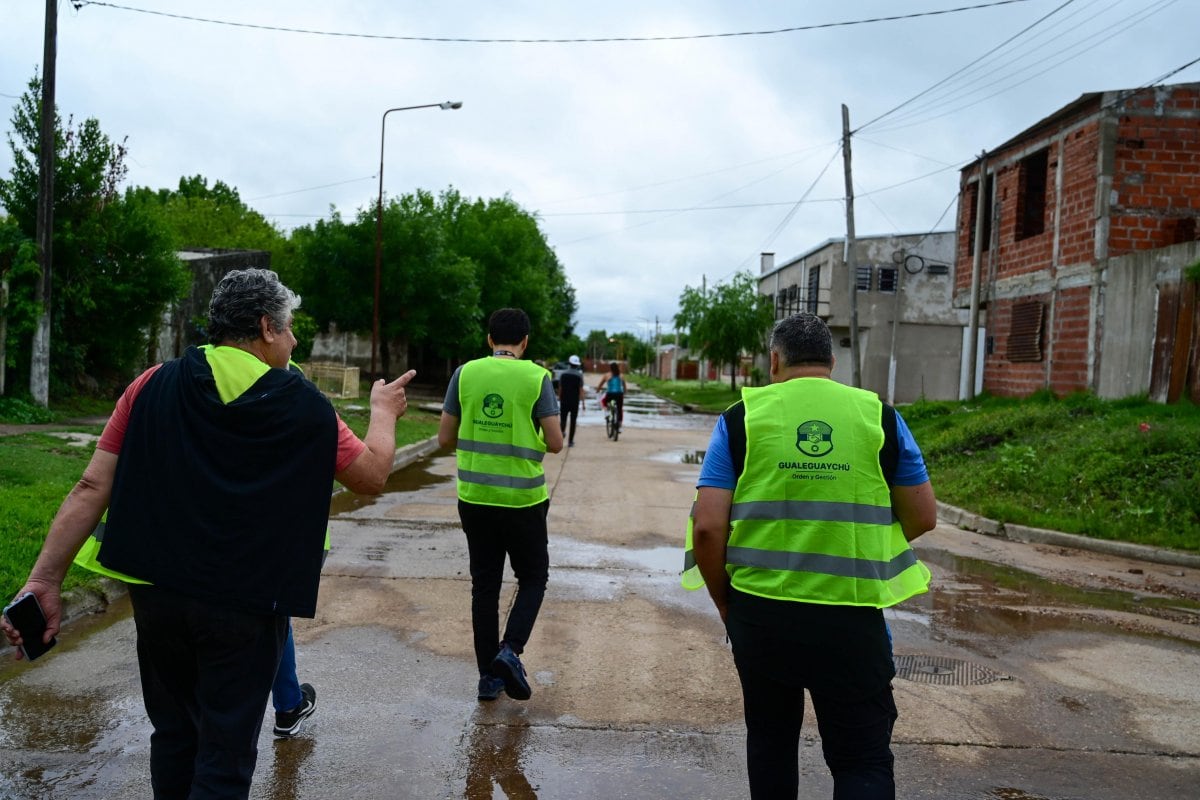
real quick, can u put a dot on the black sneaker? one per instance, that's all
(490, 687)
(507, 667)
(288, 723)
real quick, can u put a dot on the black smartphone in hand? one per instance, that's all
(25, 614)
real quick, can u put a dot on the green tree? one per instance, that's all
(447, 262)
(114, 269)
(514, 267)
(726, 321)
(199, 216)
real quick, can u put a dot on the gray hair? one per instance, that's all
(242, 298)
(802, 340)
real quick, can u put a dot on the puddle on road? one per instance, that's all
(409, 481)
(997, 600)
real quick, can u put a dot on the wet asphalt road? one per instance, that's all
(1010, 686)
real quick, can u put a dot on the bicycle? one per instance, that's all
(612, 424)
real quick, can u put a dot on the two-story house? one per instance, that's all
(911, 338)
(1089, 219)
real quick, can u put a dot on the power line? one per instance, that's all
(311, 188)
(926, 91)
(79, 4)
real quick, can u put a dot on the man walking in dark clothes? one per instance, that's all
(500, 415)
(570, 396)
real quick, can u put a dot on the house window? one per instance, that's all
(814, 287)
(887, 279)
(862, 279)
(1031, 198)
(1025, 335)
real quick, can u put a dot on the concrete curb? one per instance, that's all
(1023, 533)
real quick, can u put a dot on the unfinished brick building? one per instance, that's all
(1089, 222)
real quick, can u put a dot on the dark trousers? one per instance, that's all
(494, 532)
(573, 413)
(782, 648)
(206, 672)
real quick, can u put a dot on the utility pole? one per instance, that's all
(851, 266)
(39, 362)
(976, 266)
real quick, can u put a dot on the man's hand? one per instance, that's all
(389, 398)
(50, 600)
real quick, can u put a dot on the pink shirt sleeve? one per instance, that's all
(114, 431)
(349, 447)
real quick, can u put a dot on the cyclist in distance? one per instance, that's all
(614, 387)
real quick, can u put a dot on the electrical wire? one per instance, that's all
(926, 91)
(1081, 45)
(79, 4)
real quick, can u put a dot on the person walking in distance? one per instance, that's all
(570, 396)
(215, 469)
(808, 497)
(501, 416)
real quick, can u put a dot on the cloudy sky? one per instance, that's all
(660, 143)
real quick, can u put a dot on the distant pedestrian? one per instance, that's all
(570, 396)
(809, 494)
(501, 416)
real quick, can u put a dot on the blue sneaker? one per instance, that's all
(508, 667)
(490, 687)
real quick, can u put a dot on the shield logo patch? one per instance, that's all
(493, 406)
(814, 438)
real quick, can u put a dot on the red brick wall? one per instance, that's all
(1069, 332)
(1155, 203)
(1157, 175)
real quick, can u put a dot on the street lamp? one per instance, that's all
(449, 105)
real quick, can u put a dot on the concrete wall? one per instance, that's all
(1129, 324)
(182, 324)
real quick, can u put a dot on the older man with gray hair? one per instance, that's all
(809, 494)
(216, 469)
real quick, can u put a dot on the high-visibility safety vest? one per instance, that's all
(500, 450)
(234, 371)
(811, 518)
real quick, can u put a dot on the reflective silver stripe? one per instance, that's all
(496, 449)
(841, 566)
(817, 511)
(689, 560)
(503, 481)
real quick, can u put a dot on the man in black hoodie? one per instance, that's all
(215, 469)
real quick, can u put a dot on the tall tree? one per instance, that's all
(114, 269)
(727, 320)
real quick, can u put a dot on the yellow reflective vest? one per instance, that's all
(500, 450)
(811, 518)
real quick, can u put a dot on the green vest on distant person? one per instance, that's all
(500, 450)
(811, 518)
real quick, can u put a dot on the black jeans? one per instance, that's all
(206, 673)
(573, 413)
(494, 532)
(841, 655)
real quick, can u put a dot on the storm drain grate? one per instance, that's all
(944, 671)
